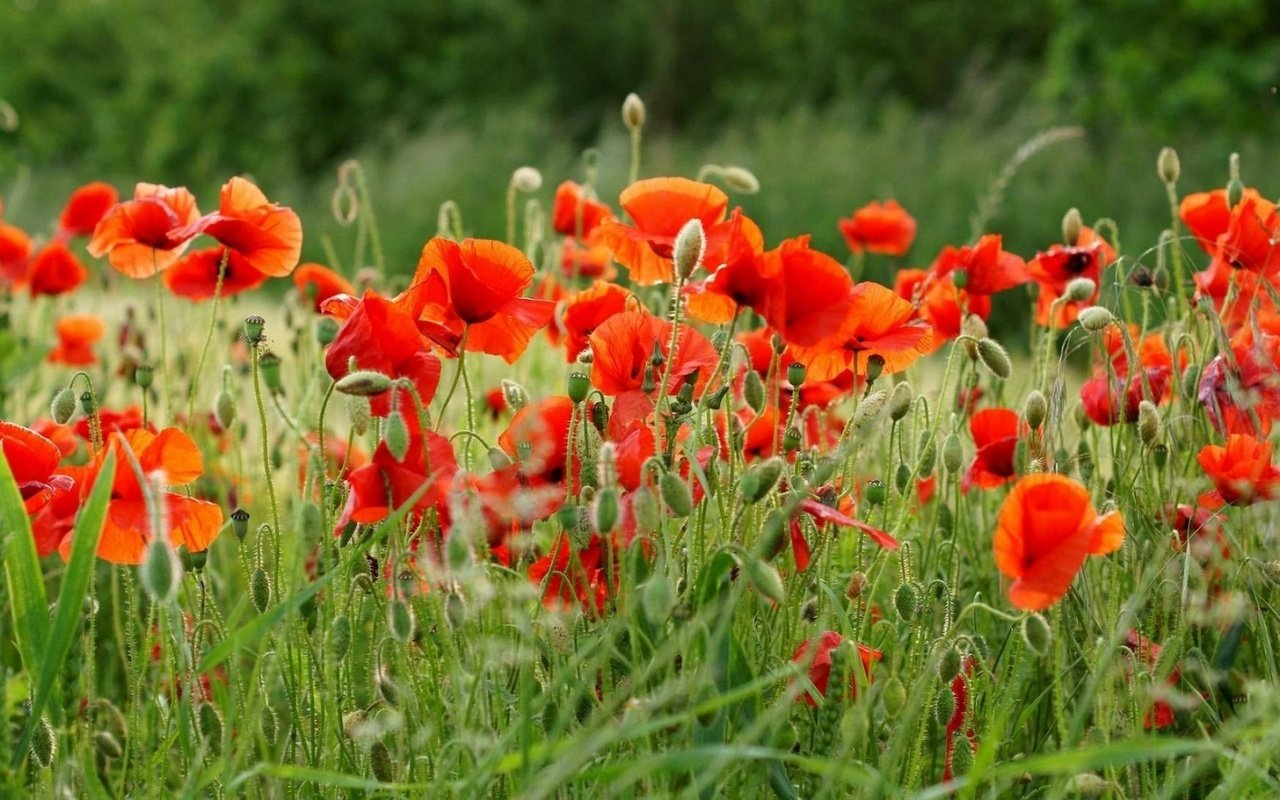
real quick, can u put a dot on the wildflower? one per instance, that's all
(268, 236)
(1240, 393)
(317, 283)
(1109, 398)
(195, 275)
(576, 214)
(1241, 471)
(987, 268)
(810, 304)
(995, 434)
(387, 482)
(584, 311)
(818, 664)
(1160, 714)
(739, 276)
(940, 303)
(1054, 269)
(85, 208)
(55, 270)
(15, 250)
(33, 460)
(883, 325)
(77, 334)
(880, 228)
(1046, 529)
(659, 208)
(622, 348)
(1241, 236)
(147, 234)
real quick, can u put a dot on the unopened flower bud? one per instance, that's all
(605, 510)
(949, 665)
(689, 247)
(760, 479)
(633, 112)
(1072, 224)
(1148, 423)
(63, 407)
(975, 328)
(944, 706)
(526, 179)
(900, 401)
(1036, 634)
(400, 620)
(107, 744)
(87, 403)
(209, 721)
(161, 571)
(869, 408)
(856, 586)
(952, 454)
(764, 578)
(894, 696)
(363, 383)
(1168, 166)
(395, 434)
(44, 744)
(326, 331)
(515, 395)
(224, 410)
(1035, 409)
(994, 357)
(260, 589)
(753, 391)
(380, 763)
(1080, 290)
(907, 600)
(676, 494)
(269, 363)
(1087, 784)
(1096, 318)
(740, 179)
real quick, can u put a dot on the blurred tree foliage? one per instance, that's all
(190, 90)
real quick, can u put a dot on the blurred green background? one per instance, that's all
(831, 103)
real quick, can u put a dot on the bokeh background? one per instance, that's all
(830, 102)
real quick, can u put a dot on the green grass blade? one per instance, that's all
(75, 585)
(22, 572)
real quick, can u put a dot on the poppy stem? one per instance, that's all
(164, 345)
(266, 452)
(208, 339)
(457, 374)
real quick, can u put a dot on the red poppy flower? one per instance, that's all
(145, 235)
(813, 298)
(55, 270)
(85, 209)
(537, 439)
(987, 268)
(15, 250)
(113, 420)
(880, 228)
(1054, 268)
(33, 460)
(940, 302)
(1160, 714)
(881, 324)
(1111, 398)
(995, 434)
(1242, 236)
(739, 275)
(825, 512)
(960, 693)
(1046, 529)
(76, 336)
(63, 436)
(385, 484)
(818, 665)
(268, 236)
(589, 258)
(659, 208)
(622, 347)
(176, 458)
(495, 402)
(317, 283)
(382, 335)
(1242, 472)
(195, 276)
(573, 213)
(578, 576)
(586, 310)
(1244, 398)
(477, 286)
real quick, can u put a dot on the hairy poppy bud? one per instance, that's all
(961, 756)
(740, 179)
(1036, 634)
(498, 458)
(224, 410)
(210, 723)
(657, 599)
(765, 579)
(44, 744)
(605, 510)
(975, 328)
(759, 480)
(144, 375)
(949, 664)
(952, 454)
(340, 637)
(633, 112)
(900, 401)
(254, 329)
(1148, 423)
(269, 362)
(363, 383)
(928, 454)
(1168, 166)
(944, 706)
(795, 374)
(689, 248)
(526, 179)
(358, 413)
(1071, 227)
(753, 391)
(63, 407)
(869, 408)
(1096, 318)
(107, 744)
(1035, 409)
(1235, 187)
(772, 534)
(856, 586)
(260, 589)
(160, 571)
(646, 508)
(607, 466)
(515, 395)
(907, 600)
(893, 695)
(326, 331)
(902, 477)
(1079, 290)
(400, 620)
(395, 434)
(994, 357)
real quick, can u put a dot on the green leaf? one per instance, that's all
(22, 572)
(320, 777)
(75, 585)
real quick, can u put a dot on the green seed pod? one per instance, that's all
(63, 407)
(753, 391)
(1036, 634)
(791, 439)
(1035, 410)
(995, 358)
(326, 331)
(254, 329)
(240, 523)
(340, 637)
(875, 492)
(400, 620)
(949, 663)
(605, 510)
(380, 763)
(1160, 455)
(952, 454)
(44, 744)
(765, 579)
(760, 479)
(599, 417)
(144, 375)
(210, 723)
(269, 364)
(395, 434)
(363, 383)
(944, 705)
(907, 600)
(161, 571)
(900, 401)
(795, 374)
(875, 366)
(893, 695)
(269, 725)
(740, 179)
(961, 756)
(689, 247)
(87, 403)
(715, 400)
(1080, 290)
(260, 589)
(646, 508)
(579, 386)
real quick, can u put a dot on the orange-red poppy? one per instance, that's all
(317, 283)
(740, 276)
(55, 270)
(880, 228)
(574, 213)
(818, 664)
(1109, 398)
(385, 484)
(995, 434)
(537, 439)
(33, 460)
(1241, 393)
(77, 334)
(1242, 236)
(812, 301)
(15, 250)
(986, 266)
(195, 276)
(940, 302)
(589, 258)
(659, 208)
(1046, 529)
(1160, 714)
(268, 236)
(143, 236)
(477, 286)
(175, 458)
(586, 310)
(880, 324)
(85, 209)
(1241, 471)
(622, 348)
(1054, 268)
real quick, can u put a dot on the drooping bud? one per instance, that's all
(633, 112)
(1148, 423)
(676, 494)
(1036, 634)
(949, 664)
(260, 589)
(210, 723)
(900, 401)
(358, 413)
(1080, 290)
(1096, 318)
(759, 480)
(87, 403)
(1035, 409)
(893, 695)
(363, 383)
(498, 458)
(690, 246)
(63, 407)
(994, 357)
(515, 395)
(107, 744)
(380, 763)
(161, 571)
(395, 434)
(765, 579)
(1168, 166)
(1071, 227)
(952, 453)
(526, 179)
(646, 507)
(400, 620)
(907, 600)
(605, 510)
(740, 179)
(944, 706)
(869, 408)
(753, 391)
(224, 410)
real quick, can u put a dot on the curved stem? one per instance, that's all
(208, 339)
(453, 387)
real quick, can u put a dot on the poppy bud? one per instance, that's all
(657, 599)
(260, 589)
(791, 439)
(650, 381)
(380, 763)
(400, 620)
(869, 408)
(269, 362)
(515, 395)
(1036, 634)
(87, 403)
(875, 366)
(107, 744)
(63, 407)
(1079, 290)
(759, 480)
(143, 375)
(1087, 784)
(646, 509)
(498, 458)
(961, 756)
(994, 357)
(928, 454)
(772, 534)
(599, 417)
(254, 329)
(607, 465)
(893, 695)
(210, 723)
(901, 477)
(358, 413)
(675, 494)
(1160, 455)
(1168, 166)
(1035, 409)
(764, 578)
(944, 706)
(753, 391)
(395, 434)
(740, 179)
(875, 492)
(224, 410)
(900, 401)
(1272, 570)
(1096, 318)
(1235, 187)
(160, 570)
(856, 586)
(269, 726)
(1148, 423)
(949, 665)
(1071, 226)
(526, 179)
(388, 689)
(363, 383)
(192, 562)
(685, 395)
(946, 521)
(326, 331)
(340, 637)
(907, 599)
(605, 510)
(633, 112)
(689, 247)
(716, 399)
(952, 454)
(44, 744)
(795, 374)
